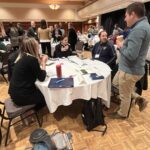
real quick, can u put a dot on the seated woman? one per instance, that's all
(29, 67)
(63, 49)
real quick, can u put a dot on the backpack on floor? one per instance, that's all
(41, 140)
(59, 140)
(92, 115)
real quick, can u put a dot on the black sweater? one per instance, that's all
(58, 53)
(25, 72)
(106, 53)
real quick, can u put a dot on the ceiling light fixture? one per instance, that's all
(54, 6)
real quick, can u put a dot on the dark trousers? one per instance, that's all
(36, 98)
(72, 45)
(46, 46)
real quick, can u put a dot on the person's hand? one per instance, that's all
(44, 58)
(66, 47)
(119, 41)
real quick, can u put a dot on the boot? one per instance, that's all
(141, 102)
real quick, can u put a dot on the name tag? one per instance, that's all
(96, 55)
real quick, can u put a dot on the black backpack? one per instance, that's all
(92, 115)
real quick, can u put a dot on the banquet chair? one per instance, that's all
(13, 111)
(79, 45)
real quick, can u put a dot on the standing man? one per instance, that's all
(72, 36)
(132, 59)
(32, 32)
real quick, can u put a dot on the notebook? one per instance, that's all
(61, 83)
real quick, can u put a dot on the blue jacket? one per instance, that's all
(135, 47)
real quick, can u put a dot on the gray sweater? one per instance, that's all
(135, 47)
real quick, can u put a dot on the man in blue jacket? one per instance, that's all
(133, 53)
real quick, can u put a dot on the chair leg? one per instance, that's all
(7, 133)
(129, 109)
(2, 116)
(39, 122)
(0, 136)
(4, 77)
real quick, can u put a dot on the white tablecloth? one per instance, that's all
(84, 86)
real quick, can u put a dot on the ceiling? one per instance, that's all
(84, 8)
(73, 4)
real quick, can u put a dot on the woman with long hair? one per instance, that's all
(44, 35)
(29, 67)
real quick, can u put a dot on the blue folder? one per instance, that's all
(61, 83)
(94, 76)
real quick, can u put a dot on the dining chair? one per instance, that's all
(13, 111)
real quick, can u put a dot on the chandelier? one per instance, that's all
(54, 6)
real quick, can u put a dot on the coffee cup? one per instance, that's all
(120, 38)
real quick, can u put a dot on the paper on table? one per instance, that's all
(80, 79)
(51, 73)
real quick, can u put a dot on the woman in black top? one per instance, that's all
(63, 49)
(26, 71)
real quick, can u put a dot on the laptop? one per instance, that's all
(61, 83)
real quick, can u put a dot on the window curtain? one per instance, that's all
(110, 19)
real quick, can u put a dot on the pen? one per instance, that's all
(60, 80)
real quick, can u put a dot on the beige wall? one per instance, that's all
(27, 14)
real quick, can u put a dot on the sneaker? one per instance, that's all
(141, 102)
(115, 115)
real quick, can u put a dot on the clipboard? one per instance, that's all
(61, 83)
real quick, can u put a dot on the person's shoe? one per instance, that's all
(141, 102)
(115, 115)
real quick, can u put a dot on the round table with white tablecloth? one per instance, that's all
(84, 87)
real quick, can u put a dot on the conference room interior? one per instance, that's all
(130, 134)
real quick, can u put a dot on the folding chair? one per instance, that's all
(13, 111)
